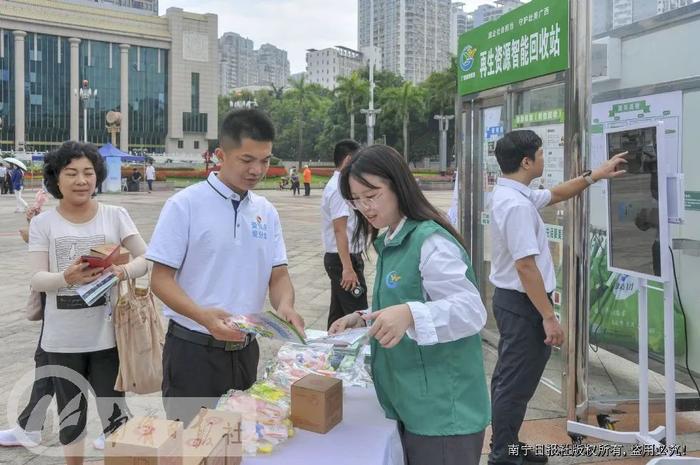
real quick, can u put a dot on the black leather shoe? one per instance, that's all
(530, 455)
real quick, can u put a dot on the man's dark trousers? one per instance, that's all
(196, 375)
(522, 357)
(342, 301)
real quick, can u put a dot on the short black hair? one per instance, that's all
(245, 123)
(55, 161)
(344, 148)
(514, 146)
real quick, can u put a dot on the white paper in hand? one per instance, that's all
(90, 292)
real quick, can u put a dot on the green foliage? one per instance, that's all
(309, 119)
(403, 104)
(383, 79)
(441, 89)
(352, 91)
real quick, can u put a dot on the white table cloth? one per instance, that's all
(364, 436)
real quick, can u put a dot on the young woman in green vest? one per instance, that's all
(426, 314)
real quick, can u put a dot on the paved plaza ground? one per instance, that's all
(301, 223)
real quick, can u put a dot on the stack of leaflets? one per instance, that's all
(348, 338)
(91, 292)
(269, 325)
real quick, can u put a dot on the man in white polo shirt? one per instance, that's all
(217, 249)
(343, 259)
(523, 274)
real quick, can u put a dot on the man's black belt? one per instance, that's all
(207, 340)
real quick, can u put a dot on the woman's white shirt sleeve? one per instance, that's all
(42, 279)
(138, 266)
(453, 309)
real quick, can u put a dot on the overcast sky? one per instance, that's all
(292, 25)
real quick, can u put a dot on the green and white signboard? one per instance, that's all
(530, 41)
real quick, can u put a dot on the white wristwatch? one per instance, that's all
(587, 176)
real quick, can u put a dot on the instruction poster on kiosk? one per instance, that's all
(666, 107)
(614, 297)
(549, 125)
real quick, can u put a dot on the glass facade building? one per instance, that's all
(7, 90)
(159, 72)
(148, 87)
(100, 64)
(47, 91)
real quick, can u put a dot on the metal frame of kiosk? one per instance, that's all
(669, 210)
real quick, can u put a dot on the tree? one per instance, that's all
(382, 79)
(441, 89)
(403, 102)
(223, 106)
(351, 90)
(226, 102)
(277, 92)
(303, 94)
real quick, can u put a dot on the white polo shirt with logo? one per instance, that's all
(517, 231)
(223, 255)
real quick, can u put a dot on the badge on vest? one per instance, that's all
(258, 228)
(392, 280)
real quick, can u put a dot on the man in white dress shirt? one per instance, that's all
(343, 259)
(522, 271)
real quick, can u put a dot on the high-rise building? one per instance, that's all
(611, 14)
(460, 22)
(662, 6)
(377, 52)
(485, 13)
(325, 66)
(630, 11)
(413, 35)
(240, 65)
(135, 6)
(236, 62)
(272, 65)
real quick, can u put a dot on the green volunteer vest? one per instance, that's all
(437, 390)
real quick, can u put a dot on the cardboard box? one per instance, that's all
(317, 403)
(213, 438)
(145, 441)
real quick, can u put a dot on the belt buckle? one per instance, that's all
(232, 346)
